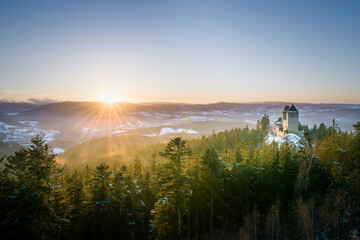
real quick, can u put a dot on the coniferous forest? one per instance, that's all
(228, 185)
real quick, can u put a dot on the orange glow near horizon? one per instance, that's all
(108, 117)
(108, 98)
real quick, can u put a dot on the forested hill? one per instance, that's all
(121, 150)
(229, 185)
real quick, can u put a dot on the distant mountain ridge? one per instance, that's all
(74, 109)
(16, 107)
(69, 123)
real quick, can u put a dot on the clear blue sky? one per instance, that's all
(181, 51)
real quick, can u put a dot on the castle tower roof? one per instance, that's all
(286, 108)
(292, 108)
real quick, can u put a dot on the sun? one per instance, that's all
(108, 98)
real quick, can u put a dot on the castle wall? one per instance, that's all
(285, 125)
(278, 131)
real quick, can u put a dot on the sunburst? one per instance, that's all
(108, 98)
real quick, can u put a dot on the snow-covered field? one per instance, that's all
(58, 150)
(291, 138)
(168, 130)
(23, 133)
(179, 130)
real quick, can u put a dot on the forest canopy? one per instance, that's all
(230, 185)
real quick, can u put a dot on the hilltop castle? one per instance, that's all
(288, 122)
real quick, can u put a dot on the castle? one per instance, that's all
(288, 122)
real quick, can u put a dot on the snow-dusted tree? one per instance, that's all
(174, 193)
(100, 187)
(75, 190)
(32, 171)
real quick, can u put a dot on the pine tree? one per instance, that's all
(174, 193)
(211, 178)
(100, 188)
(32, 171)
(75, 190)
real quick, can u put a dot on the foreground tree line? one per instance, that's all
(230, 185)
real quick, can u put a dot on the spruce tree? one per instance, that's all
(174, 193)
(32, 170)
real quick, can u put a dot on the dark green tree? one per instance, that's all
(75, 191)
(100, 187)
(211, 180)
(32, 172)
(174, 193)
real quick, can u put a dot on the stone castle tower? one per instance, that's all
(288, 122)
(290, 118)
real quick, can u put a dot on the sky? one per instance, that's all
(181, 51)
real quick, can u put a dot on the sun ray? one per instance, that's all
(96, 109)
(109, 117)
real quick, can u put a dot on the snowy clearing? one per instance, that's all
(179, 130)
(291, 138)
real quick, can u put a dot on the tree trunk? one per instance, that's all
(196, 223)
(211, 213)
(277, 216)
(179, 224)
(189, 221)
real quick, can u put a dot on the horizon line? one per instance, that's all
(46, 101)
